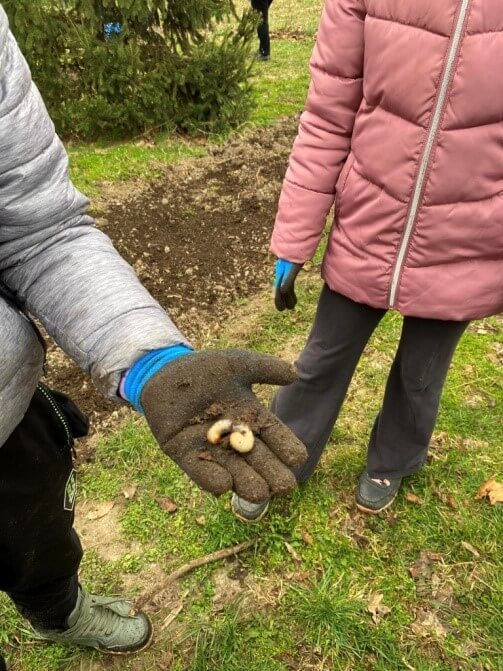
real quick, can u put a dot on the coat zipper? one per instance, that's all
(47, 394)
(425, 159)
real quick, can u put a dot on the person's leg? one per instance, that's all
(39, 551)
(262, 6)
(311, 405)
(403, 429)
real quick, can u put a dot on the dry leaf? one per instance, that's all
(412, 498)
(100, 510)
(470, 548)
(299, 576)
(427, 623)
(167, 504)
(451, 502)
(422, 566)
(130, 491)
(376, 608)
(293, 552)
(493, 490)
(201, 520)
(307, 538)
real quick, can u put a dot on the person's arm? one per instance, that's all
(324, 139)
(51, 255)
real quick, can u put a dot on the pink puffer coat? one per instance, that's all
(404, 129)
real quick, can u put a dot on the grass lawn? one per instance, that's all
(301, 599)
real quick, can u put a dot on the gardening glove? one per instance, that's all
(183, 398)
(284, 281)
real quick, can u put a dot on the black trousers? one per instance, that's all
(40, 552)
(262, 6)
(403, 428)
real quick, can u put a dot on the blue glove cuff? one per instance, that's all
(146, 367)
(283, 267)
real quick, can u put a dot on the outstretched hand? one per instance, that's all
(189, 395)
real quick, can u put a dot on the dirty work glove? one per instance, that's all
(284, 280)
(189, 394)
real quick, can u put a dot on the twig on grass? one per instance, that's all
(190, 566)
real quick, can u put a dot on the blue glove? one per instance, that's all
(145, 368)
(111, 29)
(284, 281)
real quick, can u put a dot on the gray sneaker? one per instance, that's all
(374, 496)
(245, 511)
(107, 624)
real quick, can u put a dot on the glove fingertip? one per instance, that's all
(279, 301)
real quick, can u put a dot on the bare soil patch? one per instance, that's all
(198, 239)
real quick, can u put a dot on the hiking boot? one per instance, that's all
(245, 511)
(373, 496)
(107, 624)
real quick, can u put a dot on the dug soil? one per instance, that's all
(198, 239)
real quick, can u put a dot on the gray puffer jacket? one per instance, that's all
(52, 256)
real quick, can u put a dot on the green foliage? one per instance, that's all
(174, 64)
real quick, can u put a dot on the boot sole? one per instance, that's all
(247, 520)
(370, 511)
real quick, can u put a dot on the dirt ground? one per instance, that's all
(198, 239)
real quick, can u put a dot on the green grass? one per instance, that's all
(314, 611)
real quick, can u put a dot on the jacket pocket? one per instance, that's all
(73, 422)
(342, 181)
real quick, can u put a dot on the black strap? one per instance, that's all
(12, 299)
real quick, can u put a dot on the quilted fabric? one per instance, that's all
(377, 73)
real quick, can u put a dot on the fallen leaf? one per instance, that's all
(307, 538)
(201, 520)
(293, 552)
(428, 624)
(493, 490)
(412, 498)
(435, 584)
(470, 548)
(299, 576)
(130, 491)
(422, 566)
(376, 608)
(167, 504)
(100, 510)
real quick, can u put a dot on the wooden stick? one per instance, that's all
(190, 566)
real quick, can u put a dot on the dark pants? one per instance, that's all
(40, 552)
(404, 426)
(262, 6)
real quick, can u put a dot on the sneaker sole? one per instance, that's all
(370, 511)
(136, 651)
(247, 520)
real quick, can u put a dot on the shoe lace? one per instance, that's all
(100, 620)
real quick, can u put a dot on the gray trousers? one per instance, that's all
(403, 428)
